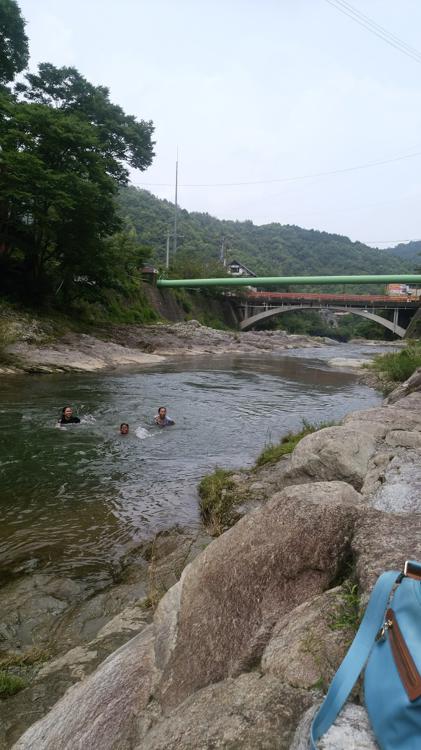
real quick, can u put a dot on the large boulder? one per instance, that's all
(308, 644)
(251, 712)
(383, 541)
(334, 453)
(102, 711)
(217, 620)
(378, 421)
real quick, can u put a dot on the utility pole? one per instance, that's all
(167, 256)
(175, 206)
(222, 255)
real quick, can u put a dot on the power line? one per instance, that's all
(329, 173)
(374, 28)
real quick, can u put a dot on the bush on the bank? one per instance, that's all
(10, 684)
(398, 366)
(274, 451)
(218, 500)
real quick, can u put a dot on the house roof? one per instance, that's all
(237, 263)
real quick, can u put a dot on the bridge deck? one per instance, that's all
(356, 300)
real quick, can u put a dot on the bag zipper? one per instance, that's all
(408, 672)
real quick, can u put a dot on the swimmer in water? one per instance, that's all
(161, 418)
(124, 428)
(67, 416)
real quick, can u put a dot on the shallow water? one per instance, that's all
(73, 501)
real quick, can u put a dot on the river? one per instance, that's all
(74, 501)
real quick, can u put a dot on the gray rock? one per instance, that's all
(400, 488)
(168, 554)
(308, 644)
(334, 453)
(30, 607)
(383, 541)
(49, 682)
(351, 731)
(405, 415)
(101, 712)
(412, 385)
(231, 596)
(247, 713)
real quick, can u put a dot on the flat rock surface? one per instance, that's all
(81, 353)
(131, 345)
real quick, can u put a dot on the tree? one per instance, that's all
(65, 150)
(121, 138)
(14, 52)
(56, 200)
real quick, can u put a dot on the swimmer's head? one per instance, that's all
(162, 411)
(66, 412)
(124, 428)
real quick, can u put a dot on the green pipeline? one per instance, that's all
(407, 278)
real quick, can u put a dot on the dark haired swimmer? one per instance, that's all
(161, 418)
(124, 428)
(67, 416)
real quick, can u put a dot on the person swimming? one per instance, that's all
(124, 428)
(161, 418)
(67, 416)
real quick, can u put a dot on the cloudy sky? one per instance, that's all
(273, 93)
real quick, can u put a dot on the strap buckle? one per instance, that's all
(412, 569)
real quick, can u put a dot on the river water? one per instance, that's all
(74, 501)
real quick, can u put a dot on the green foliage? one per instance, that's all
(65, 150)
(272, 249)
(410, 252)
(10, 684)
(14, 51)
(218, 500)
(121, 139)
(398, 366)
(347, 613)
(274, 451)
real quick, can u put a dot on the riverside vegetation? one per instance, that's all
(396, 367)
(220, 495)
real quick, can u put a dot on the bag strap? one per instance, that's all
(356, 657)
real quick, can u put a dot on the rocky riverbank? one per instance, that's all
(131, 345)
(235, 638)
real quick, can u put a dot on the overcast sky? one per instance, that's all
(259, 90)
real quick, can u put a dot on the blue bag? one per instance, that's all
(388, 644)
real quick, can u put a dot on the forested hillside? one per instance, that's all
(272, 249)
(410, 252)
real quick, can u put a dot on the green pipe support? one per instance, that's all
(412, 278)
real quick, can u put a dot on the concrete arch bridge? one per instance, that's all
(255, 305)
(253, 315)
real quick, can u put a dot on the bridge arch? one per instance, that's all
(272, 312)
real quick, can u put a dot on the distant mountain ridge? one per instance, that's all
(410, 252)
(272, 249)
